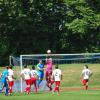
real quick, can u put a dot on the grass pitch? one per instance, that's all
(68, 95)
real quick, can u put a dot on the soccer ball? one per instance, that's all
(48, 51)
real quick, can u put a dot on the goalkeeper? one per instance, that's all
(40, 67)
(4, 77)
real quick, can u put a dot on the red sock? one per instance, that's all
(10, 90)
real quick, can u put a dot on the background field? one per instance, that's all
(71, 87)
(72, 95)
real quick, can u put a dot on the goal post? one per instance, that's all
(33, 59)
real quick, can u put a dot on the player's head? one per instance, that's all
(33, 67)
(40, 61)
(86, 66)
(56, 66)
(10, 66)
(25, 66)
(48, 57)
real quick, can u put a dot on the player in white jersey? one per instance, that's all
(26, 75)
(86, 74)
(10, 79)
(57, 76)
(34, 75)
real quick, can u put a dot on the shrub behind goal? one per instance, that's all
(60, 59)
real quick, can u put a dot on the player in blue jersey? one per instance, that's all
(40, 67)
(4, 76)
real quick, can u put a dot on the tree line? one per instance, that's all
(33, 26)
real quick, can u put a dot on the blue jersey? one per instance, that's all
(40, 66)
(4, 76)
(41, 72)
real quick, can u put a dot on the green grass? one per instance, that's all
(68, 95)
(72, 72)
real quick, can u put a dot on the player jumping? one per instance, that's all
(4, 77)
(48, 74)
(40, 67)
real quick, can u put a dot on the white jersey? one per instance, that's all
(26, 73)
(10, 74)
(86, 73)
(57, 74)
(34, 73)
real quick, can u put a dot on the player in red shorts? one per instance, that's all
(48, 74)
(10, 79)
(34, 75)
(57, 76)
(26, 75)
(86, 74)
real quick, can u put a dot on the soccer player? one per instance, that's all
(40, 67)
(26, 75)
(10, 79)
(48, 74)
(86, 74)
(4, 77)
(34, 78)
(57, 76)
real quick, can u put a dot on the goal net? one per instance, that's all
(19, 62)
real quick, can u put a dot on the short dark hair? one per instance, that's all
(33, 67)
(10, 66)
(7, 67)
(56, 66)
(25, 66)
(86, 66)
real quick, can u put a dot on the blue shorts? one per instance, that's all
(5, 84)
(41, 74)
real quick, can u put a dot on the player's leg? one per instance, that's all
(86, 86)
(57, 87)
(7, 89)
(35, 85)
(38, 81)
(2, 86)
(85, 83)
(47, 78)
(28, 85)
(49, 81)
(41, 76)
(11, 83)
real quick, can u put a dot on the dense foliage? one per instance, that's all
(33, 26)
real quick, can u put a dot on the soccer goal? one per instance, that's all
(60, 59)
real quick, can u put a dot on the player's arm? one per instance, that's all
(61, 77)
(40, 68)
(14, 77)
(0, 75)
(90, 74)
